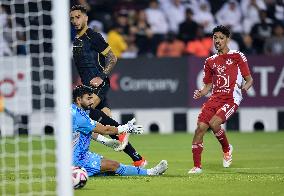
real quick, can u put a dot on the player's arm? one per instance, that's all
(202, 92)
(112, 130)
(105, 129)
(244, 68)
(101, 46)
(110, 62)
(207, 80)
(248, 84)
(112, 143)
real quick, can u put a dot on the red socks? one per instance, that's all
(197, 148)
(196, 152)
(221, 136)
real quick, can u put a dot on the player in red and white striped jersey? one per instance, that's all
(227, 74)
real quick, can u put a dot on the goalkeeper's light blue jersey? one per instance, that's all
(82, 127)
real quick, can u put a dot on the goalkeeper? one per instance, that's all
(82, 129)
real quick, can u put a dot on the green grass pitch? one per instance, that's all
(257, 169)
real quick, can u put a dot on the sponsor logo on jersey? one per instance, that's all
(220, 68)
(229, 62)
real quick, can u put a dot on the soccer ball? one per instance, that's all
(79, 177)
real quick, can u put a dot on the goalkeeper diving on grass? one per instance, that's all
(83, 127)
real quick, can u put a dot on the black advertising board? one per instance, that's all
(149, 83)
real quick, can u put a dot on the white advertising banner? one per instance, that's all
(15, 83)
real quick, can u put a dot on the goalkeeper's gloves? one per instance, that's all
(131, 128)
(116, 145)
(123, 143)
(107, 142)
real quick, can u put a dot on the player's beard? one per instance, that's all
(86, 107)
(79, 30)
(82, 27)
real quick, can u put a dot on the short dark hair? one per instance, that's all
(189, 11)
(79, 7)
(81, 90)
(223, 29)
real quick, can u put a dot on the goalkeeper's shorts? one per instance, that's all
(92, 163)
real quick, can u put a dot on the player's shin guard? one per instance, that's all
(197, 149)
(127, 170)
(222, 138)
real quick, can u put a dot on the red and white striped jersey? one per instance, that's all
(226, 72)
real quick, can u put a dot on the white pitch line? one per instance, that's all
(256, 167)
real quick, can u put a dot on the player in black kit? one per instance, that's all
(94, 61)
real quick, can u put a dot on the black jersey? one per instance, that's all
(88, 54)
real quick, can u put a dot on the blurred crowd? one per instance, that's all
(173, 28)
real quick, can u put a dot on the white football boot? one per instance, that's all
(195, 170)
(158, 169)
(228, 157)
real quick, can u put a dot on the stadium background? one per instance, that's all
(156, 85)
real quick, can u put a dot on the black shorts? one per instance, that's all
(101, 92)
